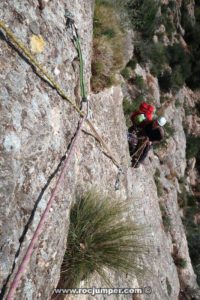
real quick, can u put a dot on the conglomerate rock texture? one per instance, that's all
(37, 126)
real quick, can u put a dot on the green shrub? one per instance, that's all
(164, 8)
(109, 32)
(147, 51)
(100, 237)
(177, 56)
(182, 180)
(186, 20)
(97, 67)
(145, 20)
(126, 73)
(185, 198)
(177, 79)
(181, 70)
(177, 103)
(160, 146)
(165, 81)
(197, 109)
(169, 26)
(193, 146)
(142, 14)
(132, 63)
(193, 237)
(192, 30)
(128, 106)
(111, 80)
(180, 262)
(139, 82)
(172, 4)
(191, 200)
(169, 130)
(157, 56)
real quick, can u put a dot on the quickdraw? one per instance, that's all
(76, 40)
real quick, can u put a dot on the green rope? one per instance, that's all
(76, 40)
(82, 83)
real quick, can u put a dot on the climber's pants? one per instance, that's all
(144, 153)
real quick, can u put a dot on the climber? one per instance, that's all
(144, 114)
(139, 118)
(151, 134)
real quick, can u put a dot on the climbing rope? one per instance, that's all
(44, 74)
(38, 231)
(38, 67)
(140, 151)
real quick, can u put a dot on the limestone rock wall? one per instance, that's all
(36, 129)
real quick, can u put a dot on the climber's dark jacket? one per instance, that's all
(154, 132)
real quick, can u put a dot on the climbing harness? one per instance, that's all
(41, 224)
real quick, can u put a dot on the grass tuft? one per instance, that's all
(100, 238)
(107, 59)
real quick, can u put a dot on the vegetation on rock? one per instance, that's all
(101, 237)
(107, 57)
(193, 236)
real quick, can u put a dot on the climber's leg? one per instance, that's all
(144, 154)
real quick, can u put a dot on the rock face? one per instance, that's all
(36, 129)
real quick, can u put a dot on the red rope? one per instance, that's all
(38, 231)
